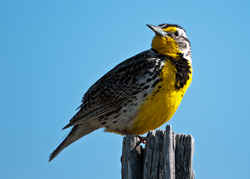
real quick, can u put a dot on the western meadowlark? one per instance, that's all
(139, 94)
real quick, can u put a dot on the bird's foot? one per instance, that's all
(142, 140)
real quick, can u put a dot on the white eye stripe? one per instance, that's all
(184, 34)
(181, 32)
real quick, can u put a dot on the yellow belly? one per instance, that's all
(159, 106)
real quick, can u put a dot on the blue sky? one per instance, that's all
(53, 51)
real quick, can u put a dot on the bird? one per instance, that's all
(139, 94)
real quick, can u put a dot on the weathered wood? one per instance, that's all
(131, 158)
(184, 148)
(165, 156)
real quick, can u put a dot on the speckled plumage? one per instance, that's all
(114, 101)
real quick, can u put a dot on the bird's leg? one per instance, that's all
(142, 140)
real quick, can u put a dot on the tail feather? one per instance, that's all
(67, 126)
(76, 133)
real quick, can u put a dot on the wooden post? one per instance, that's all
(165, 156)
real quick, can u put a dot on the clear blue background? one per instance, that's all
(51, 52)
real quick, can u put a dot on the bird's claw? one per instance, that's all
(142, 140)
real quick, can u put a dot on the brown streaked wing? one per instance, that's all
(115, 88)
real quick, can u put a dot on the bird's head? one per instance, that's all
(171, 40)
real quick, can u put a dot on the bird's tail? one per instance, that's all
(76, 133)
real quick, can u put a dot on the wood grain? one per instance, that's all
(165, 156)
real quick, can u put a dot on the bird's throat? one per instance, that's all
(165, 46)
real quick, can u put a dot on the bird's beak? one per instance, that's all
(157, 30)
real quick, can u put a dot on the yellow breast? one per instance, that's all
(161, 104)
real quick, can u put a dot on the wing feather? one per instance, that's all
(115, 88)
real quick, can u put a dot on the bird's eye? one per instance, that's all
(176, 33)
